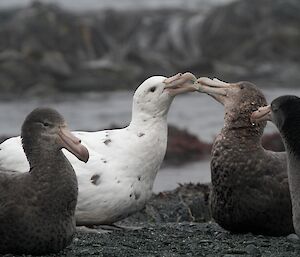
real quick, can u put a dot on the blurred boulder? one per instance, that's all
(104, 50)
(273, 142)
(184, 147)
(45, 47)
(255, 40)
(54, 63)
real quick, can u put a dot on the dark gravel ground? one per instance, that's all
(177, 223)
(179, 239)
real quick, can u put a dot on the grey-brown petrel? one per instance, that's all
(250, 191)
(37, 208)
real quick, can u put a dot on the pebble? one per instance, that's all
(249, 242)
(235, 251)
(221, 235)
(253, 250)
(231, 255)
(293, 238)
(204, 241)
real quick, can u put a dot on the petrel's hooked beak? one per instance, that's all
(180, 83)
(216, 88)
(73, 144)
(211, 86)
(262, 114)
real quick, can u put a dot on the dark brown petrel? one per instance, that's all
(250, 191)
(37, 207)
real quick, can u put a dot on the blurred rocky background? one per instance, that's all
(46, 48)
(256, 40)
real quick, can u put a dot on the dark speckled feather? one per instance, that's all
(250, 189)
(249, 184)
(37, 208)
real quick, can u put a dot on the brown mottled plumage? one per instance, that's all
(37, 208)
(250, 190)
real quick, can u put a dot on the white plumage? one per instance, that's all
(118, 178)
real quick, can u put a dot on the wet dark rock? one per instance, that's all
(273, 142)
(254, 40)
(188, 202)
(253, 250)
(293, 238)
(184, 147)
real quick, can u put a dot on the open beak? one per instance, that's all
(73, 144)
(180, 83)
(213, 87)
(262, 114)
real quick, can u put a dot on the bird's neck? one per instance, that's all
(241, 127)
(53, 175)
(243, 136)
(46, 162)
(152, 144)
(47, 165)
(145, 121)
(294, 182)
(294, 171)
(51, 166)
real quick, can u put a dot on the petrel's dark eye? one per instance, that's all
(46, 124)
(242, 86)
(152, 89)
